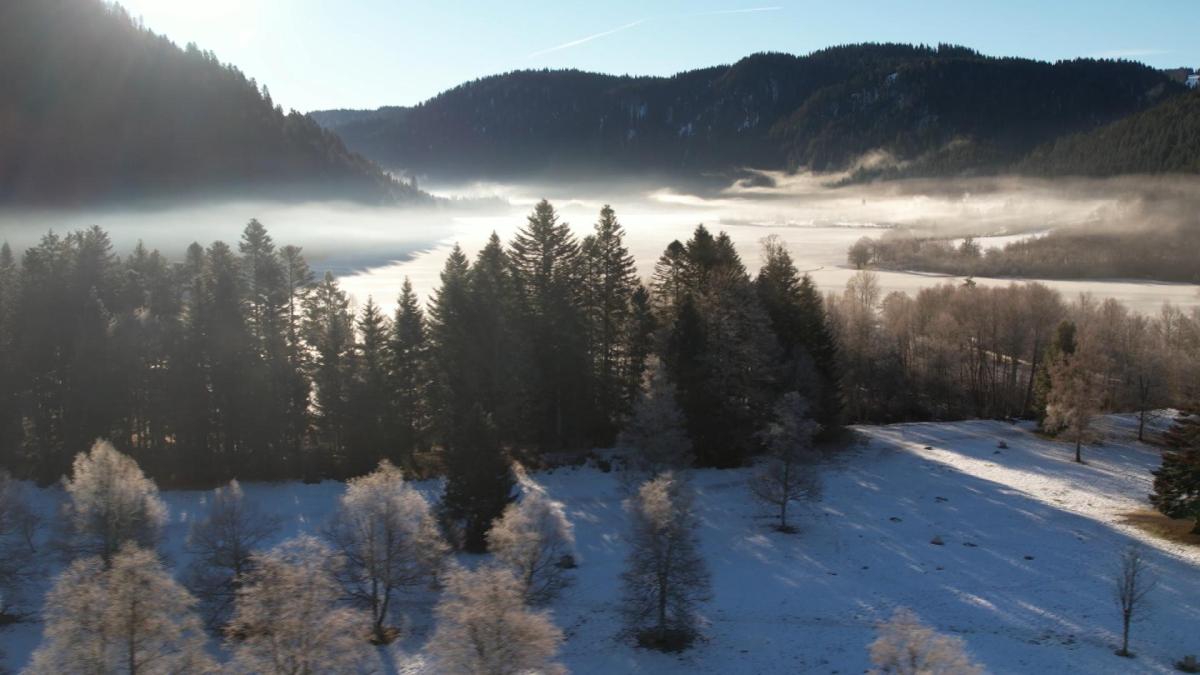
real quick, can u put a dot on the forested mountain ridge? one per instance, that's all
(96, 107)
(1165, 138)
(943, 109)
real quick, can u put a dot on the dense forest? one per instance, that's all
(943, 109)
(95, 107)
(1164, 138)
(1161, 254)
(236, 362)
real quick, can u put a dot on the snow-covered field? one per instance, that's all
(1024, 574)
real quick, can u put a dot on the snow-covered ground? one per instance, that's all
(1024, 573)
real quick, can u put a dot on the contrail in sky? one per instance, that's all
(575, 43)
(596, 36)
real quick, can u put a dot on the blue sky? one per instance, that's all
(367, 53)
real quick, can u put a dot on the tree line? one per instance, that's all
(236, 362)
(1162, 254)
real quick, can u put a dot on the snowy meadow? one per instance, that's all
(1014, 550)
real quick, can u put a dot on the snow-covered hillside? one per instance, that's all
(1023, 574)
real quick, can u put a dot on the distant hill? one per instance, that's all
(1165, 138)
(95, 107)
(934, 110)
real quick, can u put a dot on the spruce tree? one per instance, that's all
(546, 265)
(369, 395)
(609, 285)
(479, 481)
(408, 372)
(500, 361)
(1177, 482)
(329, 333)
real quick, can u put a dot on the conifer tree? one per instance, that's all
(369, 395)
(479, 481)
(1177, 482)
(408, 372)
(546, 264)
(451, 345)
(329, 332)
(500, 360)
(797, 316)
(609, 285)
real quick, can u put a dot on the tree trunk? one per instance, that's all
(1141, 424)
(1125, 634)
(1078, 456)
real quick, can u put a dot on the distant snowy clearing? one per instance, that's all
(1023, 573)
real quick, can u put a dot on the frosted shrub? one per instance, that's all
(905, 646)
(536, 541)
(484, 628)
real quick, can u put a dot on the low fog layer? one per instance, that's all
(373, 248)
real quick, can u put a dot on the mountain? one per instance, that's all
(1165, 138)
(941, 109)
(95, 107)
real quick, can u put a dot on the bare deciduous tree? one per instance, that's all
(665, 576)
(222, 545)
(905, 646)
(1133, 584)
(128, 616)
(484, 627)
(787, 474)
(389, 538)
(110, 502)
(288, 620)
(535, 540)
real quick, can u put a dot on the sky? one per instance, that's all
(318, 54)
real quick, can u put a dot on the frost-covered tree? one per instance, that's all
(19, 525)
(656, 433)
(390, 540)
(905, 646)
(535, 540)
(288, 620)
(1073, 402)
(787, 474)
(128, 616)
(110, 502)
(484, 628)
(222, 545)
(665, 576)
